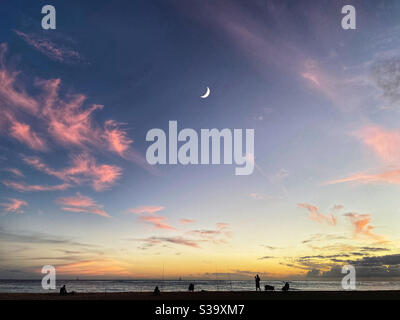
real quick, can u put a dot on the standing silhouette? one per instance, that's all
(257, 278)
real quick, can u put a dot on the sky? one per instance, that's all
(76, 103)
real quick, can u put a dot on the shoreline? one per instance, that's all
(211, 295)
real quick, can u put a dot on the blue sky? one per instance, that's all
(323, 102)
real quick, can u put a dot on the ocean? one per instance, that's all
(34, 286)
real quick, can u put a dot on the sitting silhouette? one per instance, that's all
(285, 287)
(191, 287)
(257, 283)
(156, 291)
(268, 287)
(63, 291)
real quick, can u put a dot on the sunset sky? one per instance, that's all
(76, 103)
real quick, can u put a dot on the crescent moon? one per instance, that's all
(206, 94)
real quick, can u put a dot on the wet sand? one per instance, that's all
(212, 295)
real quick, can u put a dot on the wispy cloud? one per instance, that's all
(152, 241)
(186, 221)
(317, 216)
(24, 187)
(383, 142)
(14, 205)
(66, 120)
(117, 138)
(84, 169)
(80, 203)
(157, 221)
(362, 226)
(390, 176)
(55, 51)
(15, 172)
(218, 235)
(146, 209)
(23, 133)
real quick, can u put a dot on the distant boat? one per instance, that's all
(180, 279)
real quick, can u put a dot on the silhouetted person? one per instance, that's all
(257, 283)
(191, 287)
(156, 291)
(63, 291)
(285, 287)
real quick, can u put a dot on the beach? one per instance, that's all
(212, 295)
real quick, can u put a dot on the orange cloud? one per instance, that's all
(23, 133)
(385, 143)
(80, 203)
(361, 224)
(14, 205)
(315, 215)
(93, 268)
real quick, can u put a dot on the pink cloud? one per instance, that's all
(23, 187)
(65, 120)
(23, 133)
(385, 143)
(117, 138)
(312, 77)
(9, 94)
(15, 171)
(84, 168)
(80, 203)
(14, 205)
(390, 176)
(77, 201)
(186, 221)
(315, 215)
(68, 122)
(146, 209)
(157, 221)
(362, 227)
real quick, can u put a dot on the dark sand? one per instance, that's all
(212, 295)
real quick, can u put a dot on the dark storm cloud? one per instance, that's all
(387, 266)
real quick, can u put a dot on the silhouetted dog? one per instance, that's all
(267, 287)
